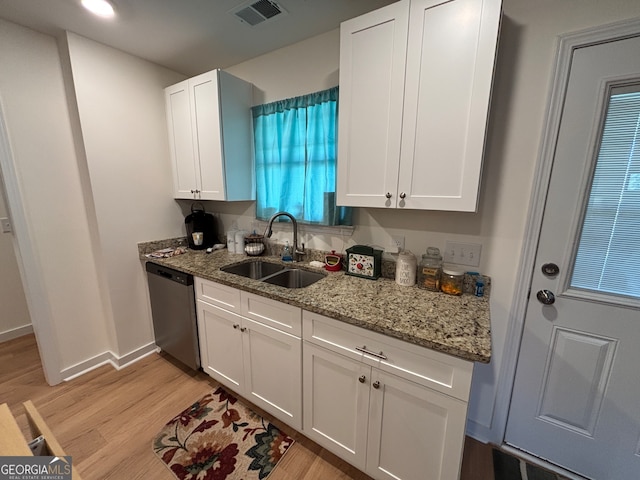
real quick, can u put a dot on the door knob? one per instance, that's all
(376, 384)
(403, 195)
(388, 195)
(362, 378)
(546, 297)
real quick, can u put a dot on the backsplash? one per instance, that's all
(273, 249)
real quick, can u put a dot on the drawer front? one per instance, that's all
(333, 335)
(281, 316)
(438, 371)
(217, 294)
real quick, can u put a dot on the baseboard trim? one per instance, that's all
(479, 432)
(138, 354)
(108, 357)
(15, 333)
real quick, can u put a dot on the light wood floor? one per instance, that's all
(106, 419)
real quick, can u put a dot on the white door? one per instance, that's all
(273, 371)
(181, 141)
(415, 433)
(221, 345)
(372, 61)
(450, 56)
(576, 397)
(336, 403)
(207, 138)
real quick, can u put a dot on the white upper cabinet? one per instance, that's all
(415, 88)
(210, 137)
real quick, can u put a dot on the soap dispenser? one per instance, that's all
(286, 253)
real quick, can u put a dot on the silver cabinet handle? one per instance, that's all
(388, 195)
(546, 297)
(362, 378)
(376, 384)
(403, 195)
(363, 349)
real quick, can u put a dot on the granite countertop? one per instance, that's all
(456, 325)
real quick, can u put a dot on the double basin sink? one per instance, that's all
(274, 274)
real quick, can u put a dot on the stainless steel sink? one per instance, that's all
(274, 274)
(294, 278)
(254, 270)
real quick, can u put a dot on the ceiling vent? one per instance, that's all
(256, 12)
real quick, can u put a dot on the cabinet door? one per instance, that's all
(414, 432)
(273, 371)
(221, 345)
(372, 64)
(449, 72)
(207, 138)
(336, 403)
(180, 140)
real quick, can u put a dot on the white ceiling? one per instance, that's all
(188, 36)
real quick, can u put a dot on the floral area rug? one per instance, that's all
(219, 438)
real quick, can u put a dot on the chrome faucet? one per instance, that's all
(296, 250)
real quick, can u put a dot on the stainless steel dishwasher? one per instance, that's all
(174, 313)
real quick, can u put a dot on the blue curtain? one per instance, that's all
(295, 155)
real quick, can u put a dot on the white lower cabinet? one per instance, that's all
(259, 362)
(390, 425)
(392, 409)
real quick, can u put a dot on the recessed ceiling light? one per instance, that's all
(101, 8)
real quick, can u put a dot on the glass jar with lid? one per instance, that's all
(430, 270)
(452, 281)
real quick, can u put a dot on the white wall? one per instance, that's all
(121, 108)
(14, 316)
(526, 58)
(49, 194)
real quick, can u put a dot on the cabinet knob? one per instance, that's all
(376, 384)
(243, 329)
(362, 378)
(403, 195)
(236, 326)
(388, 195)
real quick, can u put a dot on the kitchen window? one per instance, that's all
(296, 152)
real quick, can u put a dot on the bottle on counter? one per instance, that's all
(406, 269)
(430, 270)
(479, 288)
(287, 256)
(452, 281)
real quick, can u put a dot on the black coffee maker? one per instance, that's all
(201, 228)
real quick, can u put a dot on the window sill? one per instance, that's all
(339, 230)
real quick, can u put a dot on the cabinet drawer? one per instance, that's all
(282, 316)
(438, 371)
(218, 294)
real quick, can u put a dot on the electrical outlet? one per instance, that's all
(397, 241)
(6, 225)
(463, 253)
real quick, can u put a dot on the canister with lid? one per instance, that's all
(430, 270)
(406, 269)
(452, 281)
